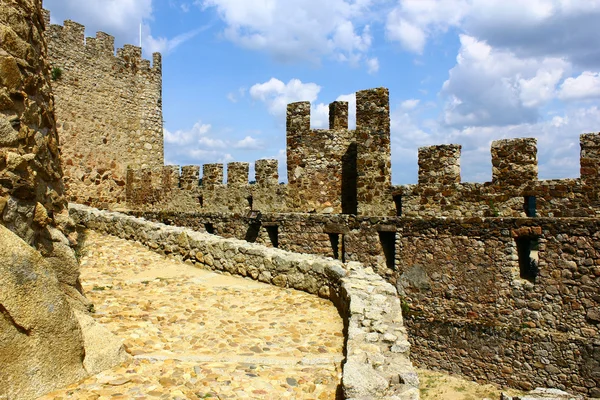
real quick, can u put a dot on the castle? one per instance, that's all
(499, 280)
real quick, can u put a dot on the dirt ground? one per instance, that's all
(442, 386)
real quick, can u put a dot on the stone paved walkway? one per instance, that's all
(196, 334)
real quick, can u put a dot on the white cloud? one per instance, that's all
(292, 30)
(413, 22)
(541, 88)
(277, 95)
(585, 86)
(163, 45)
(373, 65)
(411, 37)
(211, 143)
(186, 137)
(532, 28)
(248, 143)
(489, 86)
(409, 104)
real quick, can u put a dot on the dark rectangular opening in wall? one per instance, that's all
(388, 244)
(209, 228)
(398, 203)
(250, 201)
(527, 250)
(201, 201)
(349, 177)
(273, 232)
(252, 232)
(337, 245)
(529, 205)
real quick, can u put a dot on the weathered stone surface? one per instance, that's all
(108, 112)
(367, 303)
(41, 343)
(102, 349)
(544, 394)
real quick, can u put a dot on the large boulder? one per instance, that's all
(41, 343)
(44, 344)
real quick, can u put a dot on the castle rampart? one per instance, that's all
(472, 304)
(109, 111)
(377, 363)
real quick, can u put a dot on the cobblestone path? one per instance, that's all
(196, 334)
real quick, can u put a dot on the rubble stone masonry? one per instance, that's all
(108, 110)
(32, 199)
(471, 305)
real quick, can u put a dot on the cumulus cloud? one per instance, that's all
(248, 143)
(533, 28)
(201, 145)
(539, 28)
(292, 30)
(277, 95)
(494, 87)
(372, 65)
(585, 86)
(411, 23)
(186, 137)
(409, 104)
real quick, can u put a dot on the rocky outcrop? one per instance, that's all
(46, 339)
(44, 343)
(41, 343)
(32, 202)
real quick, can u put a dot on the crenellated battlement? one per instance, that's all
(343, 171)
(439, 165)
(514, 190)
(340, 170)
(173, 184)
(70, 38)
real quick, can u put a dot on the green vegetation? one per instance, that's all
(56, 73)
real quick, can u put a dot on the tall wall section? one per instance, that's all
(108, 109)
(43, 326)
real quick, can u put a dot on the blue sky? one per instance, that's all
(459, 71)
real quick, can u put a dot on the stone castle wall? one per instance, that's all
(109, 112)
(47, 340)
(342, 171)
(32, 197)
(329, 171)
(514, 191)
(377, 363)
(472, 304)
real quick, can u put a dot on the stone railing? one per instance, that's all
(377, 364)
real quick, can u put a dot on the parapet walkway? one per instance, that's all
(197, 334)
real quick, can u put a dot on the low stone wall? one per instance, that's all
(377, 361)
(466, 285)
